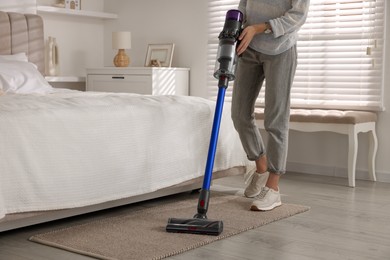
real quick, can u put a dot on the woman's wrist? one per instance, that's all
(262, 28)
(259, 28)
(268, 28)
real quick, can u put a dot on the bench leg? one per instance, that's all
(352, 155)
(353, 148)
(373, 147)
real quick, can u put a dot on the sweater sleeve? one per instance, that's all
(242, 8)
(292, 20)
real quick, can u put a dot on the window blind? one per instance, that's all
(340, 54)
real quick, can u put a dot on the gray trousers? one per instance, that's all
(278, 70)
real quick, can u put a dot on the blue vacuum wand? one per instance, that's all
(225, 68)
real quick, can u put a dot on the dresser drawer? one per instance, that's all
(139, 80)
(140, 84)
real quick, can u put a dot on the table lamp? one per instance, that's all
(120, 42)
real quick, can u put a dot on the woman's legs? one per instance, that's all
(247, 85)
(261, 164)
(279, 72)
(249, 79)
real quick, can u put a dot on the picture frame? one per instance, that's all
(159, 55)
(73, 4)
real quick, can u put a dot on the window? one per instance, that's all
(340, 54)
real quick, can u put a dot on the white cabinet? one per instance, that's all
(140, 80)
(70, 82)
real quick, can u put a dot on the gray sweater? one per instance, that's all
(285, 18)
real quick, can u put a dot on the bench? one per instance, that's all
(350, 123)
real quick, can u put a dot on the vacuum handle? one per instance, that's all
(214, 138)
(203, 202)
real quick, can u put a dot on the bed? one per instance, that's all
(66, 152)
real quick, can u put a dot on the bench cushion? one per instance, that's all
(325, 116)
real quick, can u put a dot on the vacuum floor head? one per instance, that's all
(195, 226)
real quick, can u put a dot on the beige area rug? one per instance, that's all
(141, 234)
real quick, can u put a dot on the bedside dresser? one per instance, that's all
(139, 80)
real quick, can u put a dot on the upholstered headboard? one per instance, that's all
(23, 33)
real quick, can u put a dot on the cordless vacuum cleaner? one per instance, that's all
(225, 68)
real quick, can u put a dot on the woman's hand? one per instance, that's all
(247, 35)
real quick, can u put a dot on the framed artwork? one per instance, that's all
(73, 4)
(159, 55)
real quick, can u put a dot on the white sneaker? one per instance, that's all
(267, 199)
(256, 182)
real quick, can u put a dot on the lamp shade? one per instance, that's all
(121, 40)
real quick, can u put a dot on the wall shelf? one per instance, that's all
(83, 13)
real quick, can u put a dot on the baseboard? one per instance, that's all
(334, 171)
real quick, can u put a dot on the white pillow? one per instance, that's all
(22, 77)
(18, 57)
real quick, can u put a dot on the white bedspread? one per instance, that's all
(72, 149)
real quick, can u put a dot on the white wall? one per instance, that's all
(80, 42)
(184, 22)
(80, 39)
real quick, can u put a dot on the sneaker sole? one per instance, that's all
(255, 208)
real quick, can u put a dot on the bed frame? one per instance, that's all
(13, 221)
(24, 33)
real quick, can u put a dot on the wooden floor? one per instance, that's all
(343, 223)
